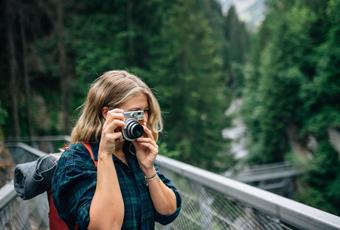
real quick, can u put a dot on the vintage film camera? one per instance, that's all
(132, 128)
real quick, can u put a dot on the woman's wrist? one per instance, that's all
(149, 172)
(153, 176)
(103, 154)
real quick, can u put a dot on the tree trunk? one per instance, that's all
(129, 19)
(26, 77)
(12, 68)
(64, 73)
(51, 7)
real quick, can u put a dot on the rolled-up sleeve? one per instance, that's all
(166, 219)
(73, 187)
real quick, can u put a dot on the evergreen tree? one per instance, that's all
(274, 102)
(322, 108)
(236, 34)
(189, 73)
(236, 52)
(293, 87)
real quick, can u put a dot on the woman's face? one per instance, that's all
(138, 101)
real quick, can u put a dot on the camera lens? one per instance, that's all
(132, 130)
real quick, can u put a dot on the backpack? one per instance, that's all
(55, 222)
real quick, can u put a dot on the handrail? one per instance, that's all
(14, 211)
(39, 138)
(28, 148)
(288, 211)
(7, 193)
(249, 178)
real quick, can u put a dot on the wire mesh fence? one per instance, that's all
(206, 208)
(14, 215)
(24, 215)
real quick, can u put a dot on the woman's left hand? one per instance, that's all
(146, 151)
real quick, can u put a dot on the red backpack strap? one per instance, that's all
(55, 222)
(89, 149)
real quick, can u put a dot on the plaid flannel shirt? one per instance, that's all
(74, 184)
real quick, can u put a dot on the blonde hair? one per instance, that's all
(111, 90)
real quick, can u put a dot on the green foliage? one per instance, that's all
(236, 35)
(316, 198)
(293, 81)
(92, 57)
(324, 109)
(166, 152)
(177, 47)
(272, 96)
(3, 115)
(321, 183)
(236, 51)
(188, 65)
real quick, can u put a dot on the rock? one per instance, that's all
(6, 165)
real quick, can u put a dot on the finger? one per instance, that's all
(146, 139)
(115, 114)
(149, 146)
(111, 126)
(113, 136)
(148, 131)
(116, 110)
(117, 124)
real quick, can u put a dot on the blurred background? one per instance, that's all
(240, 82)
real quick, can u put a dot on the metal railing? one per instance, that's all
(209, 201)
(16, 213)
(266, 172)
(38, 139)
(48, 144)
(278, 178)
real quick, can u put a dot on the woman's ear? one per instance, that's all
(104, 111)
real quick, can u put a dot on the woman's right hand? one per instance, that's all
(108, 195)
(111, 132)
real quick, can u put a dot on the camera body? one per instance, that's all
(132, 128)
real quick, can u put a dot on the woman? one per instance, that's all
(125, 190)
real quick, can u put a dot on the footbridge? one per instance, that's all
(279, 178)
(210, 201)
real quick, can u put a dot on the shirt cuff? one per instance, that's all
(166, 219)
